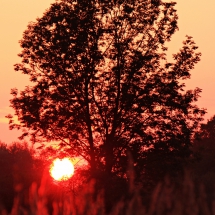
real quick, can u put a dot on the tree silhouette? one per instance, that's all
(204, 149)
(102, 86)
(202, 165)
(6, 179)
(18, 170)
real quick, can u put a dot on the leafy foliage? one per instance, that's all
(18, 171)
(6, 179)
(102, 86)
(202, 164)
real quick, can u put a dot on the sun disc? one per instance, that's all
(62, 169)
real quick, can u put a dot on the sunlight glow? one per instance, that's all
(62, 169)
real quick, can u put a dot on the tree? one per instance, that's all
(102, 86)
(18, 171)
(6, 179)
(202, 165)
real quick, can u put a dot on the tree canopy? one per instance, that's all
(102, 85)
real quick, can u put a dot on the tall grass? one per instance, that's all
(168, 198)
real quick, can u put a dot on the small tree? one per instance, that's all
(101, 84)
(204, 149)
(18, 172)
(6, 179)
(202, 162)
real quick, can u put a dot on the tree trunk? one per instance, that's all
(107, 178)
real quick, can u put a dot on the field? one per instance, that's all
(168, 198)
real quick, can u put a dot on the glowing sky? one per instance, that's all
(196, 18)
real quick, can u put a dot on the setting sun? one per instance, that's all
(62, 169)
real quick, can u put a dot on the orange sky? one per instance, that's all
(196, 18)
